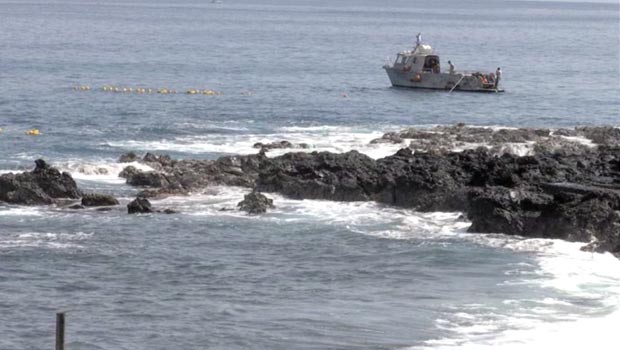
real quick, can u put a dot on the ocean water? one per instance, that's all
(309, 274)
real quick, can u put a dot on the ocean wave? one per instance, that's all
(20, 211)
(582, 318)
(339, 139)
(51, 240)
(579, 309)
(105, 170)
(100, 170)
(6, 171)
(332, 139)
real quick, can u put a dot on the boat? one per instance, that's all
(420, 69)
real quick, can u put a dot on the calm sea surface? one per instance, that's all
(309, 274)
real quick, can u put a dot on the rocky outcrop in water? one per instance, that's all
(520, 141)
(128, 158)
(43, 185)
(139, 205)
(554, 195)
(128, 171)
(183, 176)
(279, 145)
(256, 203)
(560, 189)
(556, 210)
(98, 200)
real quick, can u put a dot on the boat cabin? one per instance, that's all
(422, 59)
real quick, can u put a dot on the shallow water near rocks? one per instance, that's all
(308, 274)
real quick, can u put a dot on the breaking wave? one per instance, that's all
(49, 240)
(332, 139)
(578, 305)
(99, 171)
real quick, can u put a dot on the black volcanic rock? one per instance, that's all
(183, 176)
(128, 171)
(139, 205)
(604, 135)
(146, 179)
(555, 192)
(255, 203)
(349, 176)
(566, 211)
(98, 200)
(128, 158)
(43, 185)
(568, 196)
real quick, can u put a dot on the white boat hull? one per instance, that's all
(438, 81)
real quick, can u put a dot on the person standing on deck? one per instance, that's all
(498, 75)
(418, 40)
(451, 67)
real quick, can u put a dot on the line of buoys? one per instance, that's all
(137, 90)
(33, 132)
(208, 92)
(143, 90)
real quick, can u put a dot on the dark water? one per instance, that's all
(311, 274)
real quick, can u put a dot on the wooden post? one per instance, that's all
(60, 331)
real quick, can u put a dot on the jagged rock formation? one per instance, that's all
(562, 189)
(139, 206)
(182, 176)
(43, 185)
(255, 203)
(574, 197)
(278, 145)
(98, 200)
(522, 141)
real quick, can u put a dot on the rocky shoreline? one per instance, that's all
(563, 188)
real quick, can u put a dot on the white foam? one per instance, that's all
(585, 287)
(319, 138)
(528, 333)
(368, 218)
(324, 138)
(10, 171)
(580, 140)
(43, 240)
(20, 211)
(100, 171)
(552, 323)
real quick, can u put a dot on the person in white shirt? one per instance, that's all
(451, 67)
(498, 76)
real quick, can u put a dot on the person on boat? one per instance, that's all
(451, 67)
(498, 76)
(418, 40)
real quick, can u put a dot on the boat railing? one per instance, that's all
(388, 62)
